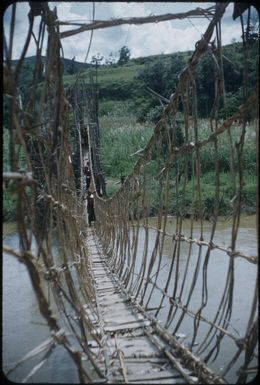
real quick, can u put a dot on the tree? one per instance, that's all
(124, 55)
(152, 76)
(111, 60)
(72, 67)
(171, 75)
(96, 60)
(205, 85)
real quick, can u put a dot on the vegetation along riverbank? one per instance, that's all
(128, 112)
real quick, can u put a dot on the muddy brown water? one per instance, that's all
(24, 328)
(244, 280)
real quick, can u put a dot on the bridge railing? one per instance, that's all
(49, 214)
(176, 265)
(52, 228)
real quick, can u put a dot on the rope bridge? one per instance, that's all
(122, 306)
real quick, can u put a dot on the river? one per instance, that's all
(24, 328)
(245, 274)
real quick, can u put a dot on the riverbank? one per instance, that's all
(245, 221)
(126, 138)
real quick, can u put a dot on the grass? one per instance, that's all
(121, 137)
(125, 73)
(9, 194)
(121, 102)
(118, 145)
(9, 199)
(108, 75)
(114, 112)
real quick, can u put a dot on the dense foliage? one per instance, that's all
(128, 109)
(162, 76)
(130, 79)
(122, 138)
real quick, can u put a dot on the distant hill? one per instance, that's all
(129, 82)
(70, 65)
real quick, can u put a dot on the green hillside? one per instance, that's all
(127, 113)
(129, 82)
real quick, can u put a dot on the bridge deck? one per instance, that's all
(134, 352)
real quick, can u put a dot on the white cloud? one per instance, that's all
(129, 9)
(21, 27)
(143, 40)
(68, 11)
(157, 38)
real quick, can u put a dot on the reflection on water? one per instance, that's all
(24, 328)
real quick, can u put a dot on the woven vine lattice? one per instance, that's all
(52, 229)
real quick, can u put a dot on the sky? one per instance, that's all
(143, 40)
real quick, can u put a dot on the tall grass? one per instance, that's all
(9, 198)
(121, 137)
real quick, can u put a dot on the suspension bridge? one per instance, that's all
(123, 307)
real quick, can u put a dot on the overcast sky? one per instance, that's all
(143, 40)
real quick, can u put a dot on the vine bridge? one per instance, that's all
(122, 306)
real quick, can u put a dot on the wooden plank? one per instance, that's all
(104, 285)
(91, 317)
(159, 375)
(140, 365)
(126, 321)
(121, 319)
(143, 355)
(121, 306)
(129, 325)
(98, 273)
(137, 347)
(114, 298)
(163, 381)
(108, 304)
(106, 293)
(143, 360)
(103, 279)
(120, 313)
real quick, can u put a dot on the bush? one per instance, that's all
(114, 108)
(234, 99)
(249, 158)
(124, 55)
(9, 206)
(117, 90)
(154, 114)
(118, 142)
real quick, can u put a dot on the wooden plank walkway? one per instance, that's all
(132, 352)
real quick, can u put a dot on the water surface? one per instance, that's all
(244, 279)
(24, 328)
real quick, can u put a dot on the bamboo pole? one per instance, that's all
(99, 24)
